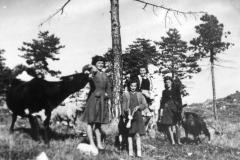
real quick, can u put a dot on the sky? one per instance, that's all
(85, 30)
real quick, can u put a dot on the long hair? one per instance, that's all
(97, 58)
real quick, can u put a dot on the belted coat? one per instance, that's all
(97, 107)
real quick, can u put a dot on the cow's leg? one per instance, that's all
(34, 127)
(186, 136)
(14, 118)
(46, 128)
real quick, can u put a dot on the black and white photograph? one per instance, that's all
(119, 79)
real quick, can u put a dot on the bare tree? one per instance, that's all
(117, 51)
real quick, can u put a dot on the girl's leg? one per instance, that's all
(90, 134)
(178, 133)
(138, 142)
(171, 134)
(130, 146)
(98, 135)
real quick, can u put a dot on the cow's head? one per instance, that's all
(90, 69)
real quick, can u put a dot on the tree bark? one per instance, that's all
(213, 85)
(117, 52)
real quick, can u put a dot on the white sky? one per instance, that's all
(85, 30)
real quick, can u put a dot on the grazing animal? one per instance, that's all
(194, 125)
(38, 94)
(66, 113)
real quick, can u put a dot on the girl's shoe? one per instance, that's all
(139, 154)
(131, 153)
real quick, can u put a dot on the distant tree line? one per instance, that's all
(171, 54)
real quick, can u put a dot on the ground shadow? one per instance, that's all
(53, 135)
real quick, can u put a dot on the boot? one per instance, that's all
(138, 142)
(130, 146)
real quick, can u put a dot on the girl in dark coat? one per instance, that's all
(96, 112)
(134, 101)
(170, 108)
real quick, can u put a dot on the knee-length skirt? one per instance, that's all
(170, 113)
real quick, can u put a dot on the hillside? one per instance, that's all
(224, 142)
(228, 107)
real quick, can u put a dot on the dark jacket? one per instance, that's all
(96, 107)
(173, 94)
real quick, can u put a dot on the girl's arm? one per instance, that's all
(124, 103)
(143, 105)
(162, 101)
(179, 97)
(108, 88)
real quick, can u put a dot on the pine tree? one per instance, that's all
(39, 51)
(174, 58)
(140, 53)
(208, 44)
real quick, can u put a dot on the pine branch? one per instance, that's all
(60, 10)
(224, 66)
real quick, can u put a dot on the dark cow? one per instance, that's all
(194, 125)
(26, 98)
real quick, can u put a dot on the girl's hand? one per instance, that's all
(136, 108)
(159, 118)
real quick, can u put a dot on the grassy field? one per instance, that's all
(20, 146)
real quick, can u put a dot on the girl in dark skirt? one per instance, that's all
(134, 101)
(96, 112)
(170, 109)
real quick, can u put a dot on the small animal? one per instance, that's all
(123, 132)
(66, 114)
(194, 124)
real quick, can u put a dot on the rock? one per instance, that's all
(42, 156)
(87, 149)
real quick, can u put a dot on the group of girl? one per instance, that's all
(135, 99)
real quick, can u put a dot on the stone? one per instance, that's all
(42, 156)
(87, 149)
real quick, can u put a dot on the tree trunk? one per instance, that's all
(213, 85)
(117, 52)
